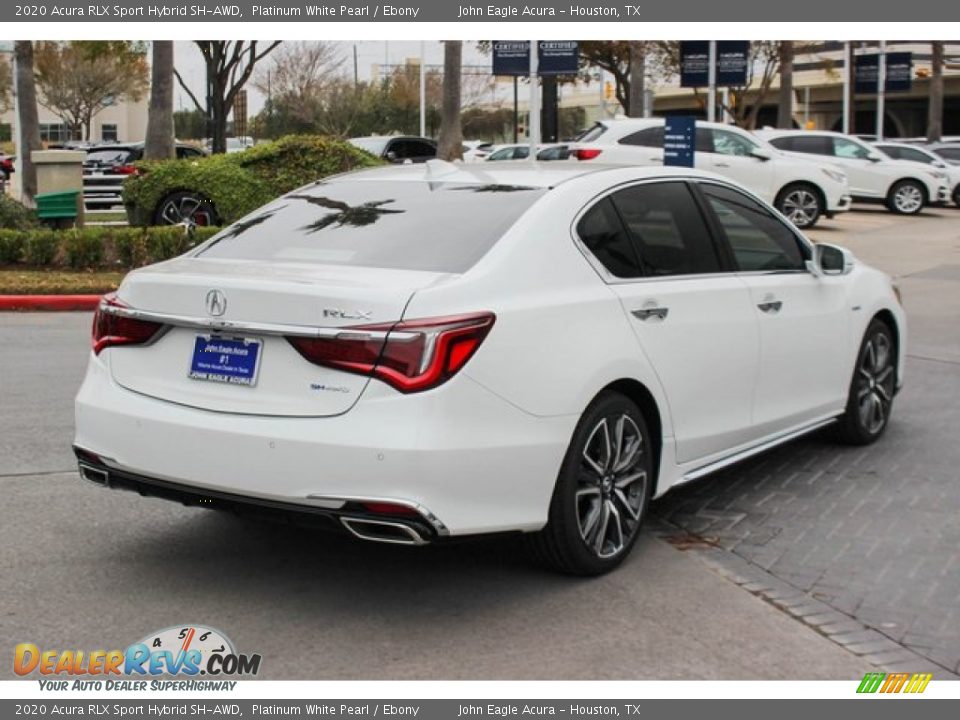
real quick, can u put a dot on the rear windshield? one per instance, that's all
(438, 227)
(108, 156)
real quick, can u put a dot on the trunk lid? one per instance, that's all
(258, 301)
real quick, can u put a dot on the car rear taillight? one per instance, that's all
(124, 170)
(410, 356)
(586, 153)
(389, 508)
(111, 328)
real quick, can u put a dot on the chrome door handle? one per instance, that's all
(656, 158)
(771, 307)
(723, 165)
(646, 313)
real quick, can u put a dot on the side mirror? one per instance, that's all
(391, 156)
(830, 260)
(938, 164)
(761, 153)
(873, 157)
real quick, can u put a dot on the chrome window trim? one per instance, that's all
(611, 279)
(255, 328)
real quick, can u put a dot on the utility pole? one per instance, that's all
(423, 91)
(356, 77)
(712, 83)
(534, 122)
(881, 86)
(847, 84)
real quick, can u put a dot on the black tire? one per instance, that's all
(872, 387)
(956, 196)
(801, 203)
(906, 197)
(184, 207)
(584, 494)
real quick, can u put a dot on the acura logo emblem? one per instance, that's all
(216, 303)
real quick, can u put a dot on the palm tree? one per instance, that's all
(159, 144)
(637, 70)
(28, 118)
(451, 135)
(785, 105)
(935, 104)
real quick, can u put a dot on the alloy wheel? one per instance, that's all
(876, 383)
(908, 198)
(186, 210)
(611, 486)
(801, 207)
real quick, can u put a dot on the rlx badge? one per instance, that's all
(348, 315)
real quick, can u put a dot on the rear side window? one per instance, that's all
(602, 232)
(949, 153)
(667, 229)
(809, 144)
(591, 134)
(648, 137)
(411, 225)
(759, 241)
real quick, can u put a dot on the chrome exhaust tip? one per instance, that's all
(384, 531)
(94, 475)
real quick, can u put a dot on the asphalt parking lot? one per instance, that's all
(751, 573)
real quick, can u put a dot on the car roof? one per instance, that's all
(526, 174)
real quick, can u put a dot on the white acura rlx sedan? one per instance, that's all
(413, 353)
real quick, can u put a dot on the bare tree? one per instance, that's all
(299, 69)
(785, 103)
(638, 68)
(76, 80)
(450, 146)
(160, 137)
(935, 104)
(229, 66)
(27, 118)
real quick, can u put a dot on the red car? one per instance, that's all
(6, 166)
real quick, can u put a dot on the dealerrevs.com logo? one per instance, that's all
(179, 651)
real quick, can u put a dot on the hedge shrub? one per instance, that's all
(239, 183)
(98, 247)
(15, 216)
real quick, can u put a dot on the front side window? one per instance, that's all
(667, 229)
(377, 223)
(728, 143)
(915, 155)
(759, 240)
(844, 148)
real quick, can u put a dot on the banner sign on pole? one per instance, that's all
(511, 57)
(732, 59)
(559, 57)
(898, 76)
(899, 72)
(866, 73)
(694, 63)
(679, 140)
(555, 57)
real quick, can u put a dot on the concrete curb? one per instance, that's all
(50, 303)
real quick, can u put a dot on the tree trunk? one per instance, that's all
(638, 67)
(29, 131)
(785, 105)
(935, 103)
(159, 141)
(451, 135)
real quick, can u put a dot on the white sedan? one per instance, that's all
(355, 353)
(800, 188)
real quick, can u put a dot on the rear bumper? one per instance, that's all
(469, 459)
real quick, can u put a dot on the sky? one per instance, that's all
(189, 63)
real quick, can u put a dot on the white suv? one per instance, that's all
(801, 189)
(905, 151)
(904, 186)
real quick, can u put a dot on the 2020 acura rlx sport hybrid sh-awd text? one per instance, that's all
(412, 353)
